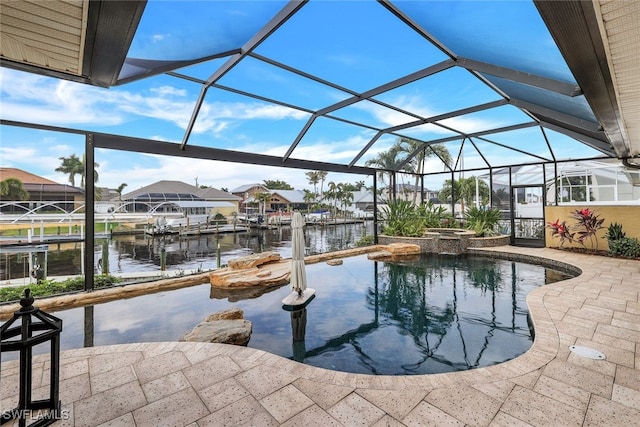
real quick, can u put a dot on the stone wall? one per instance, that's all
(447, 241)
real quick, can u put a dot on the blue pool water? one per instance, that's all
(434, 314)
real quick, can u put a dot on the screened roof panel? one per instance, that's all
(447, 91)
(372, 114)
(494, 118)
(266, 80)
(528, 140)
(513, 35)
(332, 141)
(177, 32)
(336, 41)
(240, 123)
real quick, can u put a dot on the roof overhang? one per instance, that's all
(77, 40)
(600, 41)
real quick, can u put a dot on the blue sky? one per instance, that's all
(357, 45)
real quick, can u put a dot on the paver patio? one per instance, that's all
(199, 384)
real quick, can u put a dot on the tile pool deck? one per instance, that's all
(199, 384)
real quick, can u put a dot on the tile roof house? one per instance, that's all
(44, 192)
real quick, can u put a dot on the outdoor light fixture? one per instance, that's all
(34, 327)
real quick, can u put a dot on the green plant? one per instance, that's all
(402, 219)
(588, 223)
(614, 232)
(50, 287)
(628, 247)
(482, 220)
(433, 216)
(561, 230)
(365, 240)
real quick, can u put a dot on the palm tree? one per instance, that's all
(263, 199)
(119, 190)
(12, 189)
(332, 193)
(309, 198)
(313, 178)
(322, 175)
(416, 164)
(346, 197)
(72, 166)
(387, 162)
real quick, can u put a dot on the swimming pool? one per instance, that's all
(434, 314)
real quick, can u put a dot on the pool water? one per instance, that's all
(437, 313)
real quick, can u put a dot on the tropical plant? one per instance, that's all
(464, 191)
(387, 162)
(71, 166)
(560, 230)
(434, 216)
(483, 221)
(346, 198)
(119, 190)
(419, 152)
(588, 224)
(614, 232)
(262, 199)
(308, 198)
(12, 189)
(402, 219)
(313, 178)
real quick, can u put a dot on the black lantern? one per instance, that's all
(35, 327)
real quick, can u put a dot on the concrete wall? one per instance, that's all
(628, 216)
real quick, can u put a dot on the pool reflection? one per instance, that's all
(434, 314)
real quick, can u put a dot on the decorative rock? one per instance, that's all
(273, 274)
(236, 332)
(233, 313)
(225, 327)
(254, 260)
(335, 262)
(402, 248)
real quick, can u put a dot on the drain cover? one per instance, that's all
(587, 352)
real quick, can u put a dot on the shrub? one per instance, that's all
(482, 220)
(49, 287)
(365, 241)
(628, 247)
(402, 219)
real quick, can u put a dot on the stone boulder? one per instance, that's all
(254, 260)
(395, 251)
(269, 275)
(226, 327)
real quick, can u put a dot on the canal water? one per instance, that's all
(144, 253)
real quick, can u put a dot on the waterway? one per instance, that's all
(142, 253)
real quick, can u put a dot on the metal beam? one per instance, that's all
(553, 85)
(123, 143)
(537, 111)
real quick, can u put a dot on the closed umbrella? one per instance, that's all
(298, 272)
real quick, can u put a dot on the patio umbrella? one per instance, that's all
(298, 272)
